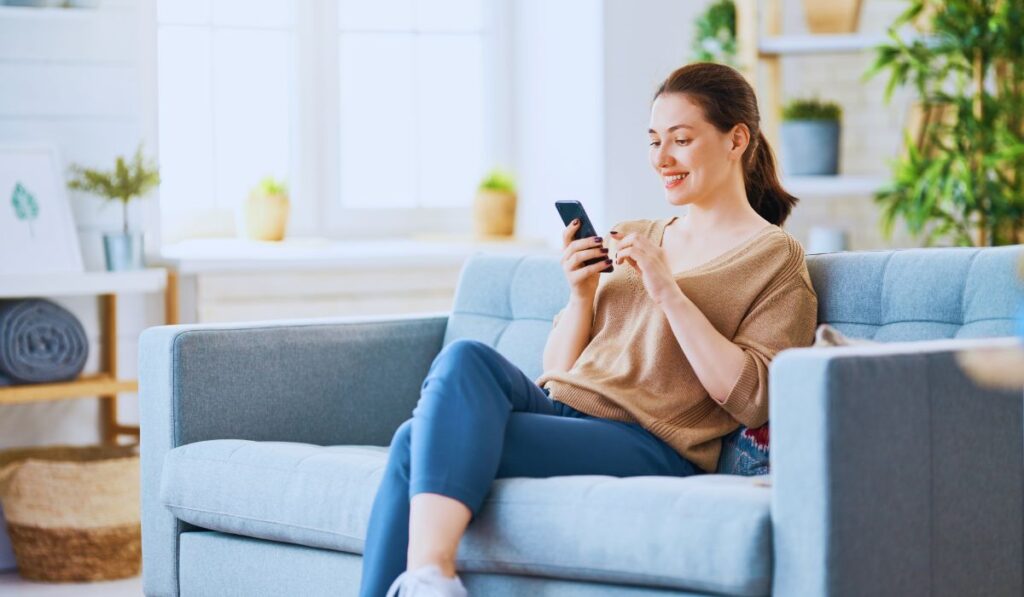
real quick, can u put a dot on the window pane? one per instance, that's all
(449, 15)
(252, 85)
(375, 15)
(191, 12)
(253, 13)
(450, 118)
(378, 149)
(185, 118)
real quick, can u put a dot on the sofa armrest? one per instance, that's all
(894, 474)
(350, 380)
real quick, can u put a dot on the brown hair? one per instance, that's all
(727, 100)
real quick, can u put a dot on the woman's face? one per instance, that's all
(692, 158)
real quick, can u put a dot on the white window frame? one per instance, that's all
(314, 181)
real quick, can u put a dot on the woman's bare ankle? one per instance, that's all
(446, 564)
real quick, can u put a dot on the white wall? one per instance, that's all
(643, 43)
(72, 79)
(558, 112)
(584, 75)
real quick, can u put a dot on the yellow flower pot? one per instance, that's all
(266, 216)
(494, 214)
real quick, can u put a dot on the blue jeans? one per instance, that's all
(479, 417)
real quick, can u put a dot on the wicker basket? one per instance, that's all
(73, 511)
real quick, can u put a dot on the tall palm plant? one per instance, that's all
(965, 180)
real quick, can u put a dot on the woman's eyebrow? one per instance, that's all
(672, 128)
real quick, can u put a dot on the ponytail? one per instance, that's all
(727, 100)
(764, 191)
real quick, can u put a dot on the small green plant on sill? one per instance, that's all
(812, 109)
(270, 186)
(498, 181)
(124, 183)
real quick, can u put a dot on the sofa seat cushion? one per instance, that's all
(706, 533)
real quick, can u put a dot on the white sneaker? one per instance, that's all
(426, 581)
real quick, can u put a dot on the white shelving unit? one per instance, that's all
(106, 384)
(828, 186)
(817, 44)
(757, 51)
(79, 284)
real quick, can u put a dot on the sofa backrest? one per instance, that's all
(910, 294)
(919, 294)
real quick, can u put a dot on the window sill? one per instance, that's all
(232, 254)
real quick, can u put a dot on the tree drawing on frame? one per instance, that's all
(25, 206)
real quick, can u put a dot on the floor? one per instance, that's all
(15, 586)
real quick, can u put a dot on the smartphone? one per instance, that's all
(571, 209)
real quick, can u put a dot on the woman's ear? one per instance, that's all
(739, 138)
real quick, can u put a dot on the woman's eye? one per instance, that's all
(654, 143)
(682, 141)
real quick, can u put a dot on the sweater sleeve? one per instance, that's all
(784, 318)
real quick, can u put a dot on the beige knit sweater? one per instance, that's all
(758, 294)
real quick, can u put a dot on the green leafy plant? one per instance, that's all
(498, 180)
(811, 109)
(124, 183)
(271, 186)
(715, 37)
(965, 181)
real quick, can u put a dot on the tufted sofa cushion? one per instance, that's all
(703, 533)
(897, 295)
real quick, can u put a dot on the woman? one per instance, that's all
(646, 368)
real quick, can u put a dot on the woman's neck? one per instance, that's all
(724, 210)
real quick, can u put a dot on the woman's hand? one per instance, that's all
(650, 262)
(583, 279)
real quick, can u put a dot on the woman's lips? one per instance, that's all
(674, 182)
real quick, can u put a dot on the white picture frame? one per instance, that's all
(37, 228)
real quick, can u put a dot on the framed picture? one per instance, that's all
(37, 228)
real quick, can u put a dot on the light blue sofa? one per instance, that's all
(892, 473)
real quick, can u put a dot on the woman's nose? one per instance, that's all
(664, 157)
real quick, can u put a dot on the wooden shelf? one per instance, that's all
(778, 45)
(45, 12)
(80, 284)
(87, 385)
(833, 186)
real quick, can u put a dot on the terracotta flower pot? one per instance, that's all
(834, 16)
(494, 213)
(266, 216)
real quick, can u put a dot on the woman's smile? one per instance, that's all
(674, 180)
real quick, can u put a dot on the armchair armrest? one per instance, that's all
(350, 380)
(894, 474)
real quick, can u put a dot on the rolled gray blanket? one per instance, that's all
(40, 341)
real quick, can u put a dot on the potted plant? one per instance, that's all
(834, 16)
(123, 250)
(810, 137)
(715, 37)
(266, 210)
(963, 180)
(494, 209)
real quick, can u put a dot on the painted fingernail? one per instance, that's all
(608, 261)
(604, 250)
(597, 239)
